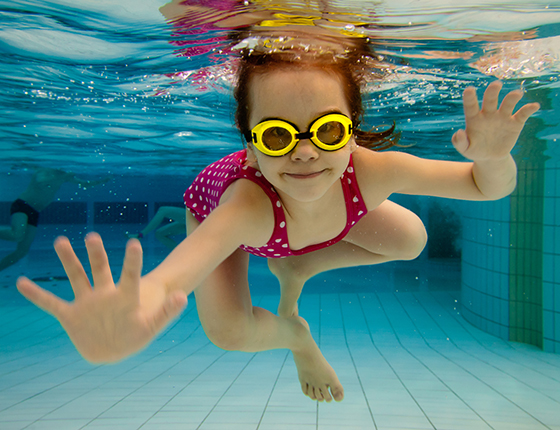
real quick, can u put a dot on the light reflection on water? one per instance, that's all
(119, 82)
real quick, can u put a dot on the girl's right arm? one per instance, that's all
(243, 217)
(108, 322)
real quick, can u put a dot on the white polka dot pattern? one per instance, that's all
(203, 196)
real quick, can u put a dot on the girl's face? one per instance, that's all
(306, 173)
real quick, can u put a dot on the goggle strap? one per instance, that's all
(304, 135)
(249, 136)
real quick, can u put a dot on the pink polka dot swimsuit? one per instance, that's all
(203, 196)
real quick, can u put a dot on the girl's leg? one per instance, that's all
(390, 232)
(231, 322)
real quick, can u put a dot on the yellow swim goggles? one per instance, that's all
(276, 137)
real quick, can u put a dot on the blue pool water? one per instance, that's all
(467, 336)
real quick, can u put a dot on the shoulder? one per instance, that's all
(250, 209)
(373, 167)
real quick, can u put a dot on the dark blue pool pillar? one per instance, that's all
(526, 240)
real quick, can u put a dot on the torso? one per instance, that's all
(305, 229)
(295, 233)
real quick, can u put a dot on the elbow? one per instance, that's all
(501, 192)
(494, 180)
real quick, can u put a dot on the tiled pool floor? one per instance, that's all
(408, 361)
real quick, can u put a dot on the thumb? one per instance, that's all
(460, 141)
(172, 307)
(42, 298)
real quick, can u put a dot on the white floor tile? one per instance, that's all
(406, 360)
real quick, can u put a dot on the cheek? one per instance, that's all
(259, 161)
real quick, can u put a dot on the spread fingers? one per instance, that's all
(100, 270)
(72, 266)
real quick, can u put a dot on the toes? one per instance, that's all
(327, 395)
(311, 393)
(322, 394)
(338, 394)
(306, 390)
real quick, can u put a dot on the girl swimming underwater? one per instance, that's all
(307, 193)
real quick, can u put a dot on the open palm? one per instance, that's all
(491, 131)
(106, 322)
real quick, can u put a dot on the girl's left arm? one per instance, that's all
(488, 138)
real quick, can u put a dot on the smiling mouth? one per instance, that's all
(308, 175)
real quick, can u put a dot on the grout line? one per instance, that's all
(227, 389)
(490, 350)
(388, 361)
(510, 345)
(354, 363)
(272, 390)
(428, 368)
(473, 375)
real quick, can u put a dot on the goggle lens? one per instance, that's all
(276, 138)
(331, 133)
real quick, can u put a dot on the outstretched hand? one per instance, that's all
(106, 322)
(491, 132)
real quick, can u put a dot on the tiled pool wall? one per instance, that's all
(551, 257)
(511, 264)
(511, 247)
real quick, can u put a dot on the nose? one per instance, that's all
(305, 150)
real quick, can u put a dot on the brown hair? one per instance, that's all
(351, 68)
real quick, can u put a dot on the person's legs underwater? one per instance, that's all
(231, 322)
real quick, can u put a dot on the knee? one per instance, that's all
(230, 335)
(415, 241)
(408, 240)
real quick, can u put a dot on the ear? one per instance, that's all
(251, 157)
(353, 145)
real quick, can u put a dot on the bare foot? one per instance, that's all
(317, 378)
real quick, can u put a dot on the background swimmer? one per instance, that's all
(25, 210)
(163, 232)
